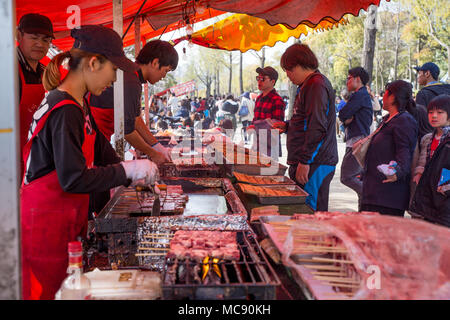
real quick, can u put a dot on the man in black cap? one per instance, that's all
(269, 104)
(34, 35)
(428, 76)
(154, 61)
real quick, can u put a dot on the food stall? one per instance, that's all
(219, 227)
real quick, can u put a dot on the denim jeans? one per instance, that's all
(351, 172)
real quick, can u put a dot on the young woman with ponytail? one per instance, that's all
(66, 158)
(395, 141)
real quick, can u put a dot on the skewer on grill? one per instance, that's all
(157, 237)
(152, 242)
(151, 249)
(149, 254)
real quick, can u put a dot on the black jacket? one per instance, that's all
(396, 141)
(311, 132)
(427, 93)
(58, 146)
(359, 106)
(433, 205)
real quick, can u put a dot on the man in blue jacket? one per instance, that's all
(357, 116)
(311, 132)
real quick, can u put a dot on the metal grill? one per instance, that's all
(251, 277)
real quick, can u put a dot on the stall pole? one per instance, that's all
(146, 99)
(10, 278)
(118, 86)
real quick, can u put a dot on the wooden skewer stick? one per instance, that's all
(341, 285)
(151, 249)
(149, 254)
(156, 237)
(337, 279)
(322, 267)
(152, 242)
(347, 294)
(159, 234)
(312, 241)
(326, 273)
(332, 260)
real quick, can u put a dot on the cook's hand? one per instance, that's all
(164, 151)
(392, 178)
(281, 126)
(141, 171)
(301, 175)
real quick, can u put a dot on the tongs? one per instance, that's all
(156, 207)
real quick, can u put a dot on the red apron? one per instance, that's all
(104, 117)
(32, 95)
(50, 219)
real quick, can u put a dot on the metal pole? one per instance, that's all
(118, 86)
(10, 279)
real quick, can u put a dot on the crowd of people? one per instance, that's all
(67, 119)
(400, 133)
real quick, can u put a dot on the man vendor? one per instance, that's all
(155, 60)
(34, 36)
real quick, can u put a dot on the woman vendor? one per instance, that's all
(66, 158)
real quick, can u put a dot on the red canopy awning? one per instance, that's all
(162, 13)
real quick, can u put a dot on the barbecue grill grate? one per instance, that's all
(251, 277)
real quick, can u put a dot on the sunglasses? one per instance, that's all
(261, 78)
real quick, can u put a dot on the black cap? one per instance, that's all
(35, 23)
(430, 66)
(105, 41)
(268, 71)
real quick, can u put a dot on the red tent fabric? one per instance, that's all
(162, 13)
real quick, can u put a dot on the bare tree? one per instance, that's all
(370, 32)
(397, 41)
(262, 57)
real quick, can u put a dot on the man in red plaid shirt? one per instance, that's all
(269, 104)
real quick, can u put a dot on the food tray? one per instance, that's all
(275, 194)
(263, 180)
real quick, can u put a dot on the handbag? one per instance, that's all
(360, 147)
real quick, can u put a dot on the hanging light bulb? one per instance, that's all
(189, 30)
(190, 44)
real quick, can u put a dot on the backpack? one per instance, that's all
(230, 107)
(244, 110)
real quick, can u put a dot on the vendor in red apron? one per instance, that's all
(34, 36)
(155, 60)
(67, 158)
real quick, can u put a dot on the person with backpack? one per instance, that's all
(246, 113)
(229, 109)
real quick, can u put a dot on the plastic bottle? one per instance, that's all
(76, 286)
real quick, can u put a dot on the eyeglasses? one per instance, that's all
(261, 78)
